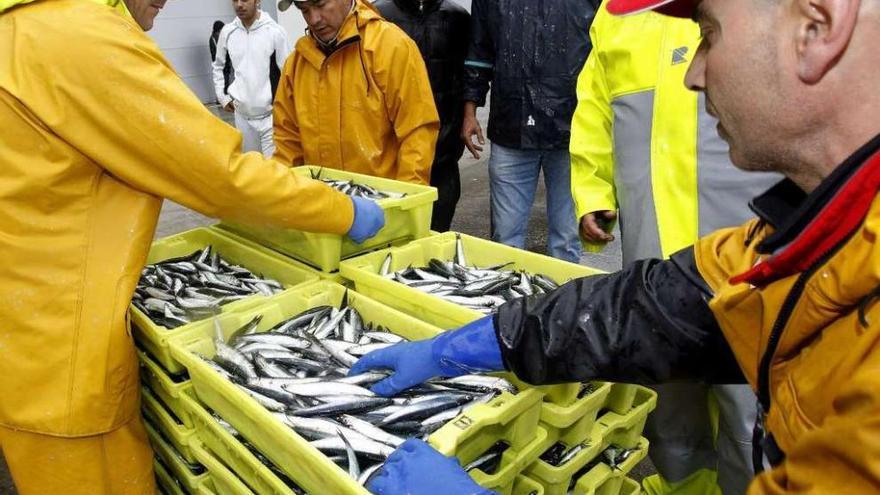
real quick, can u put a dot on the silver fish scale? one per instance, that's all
(481, 289)
(175, 292)
(302, 379)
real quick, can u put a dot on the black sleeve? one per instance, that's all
(480, 62)
(274, 75)
(649, 323)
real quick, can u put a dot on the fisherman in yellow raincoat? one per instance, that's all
(355, 95)
(95, 129)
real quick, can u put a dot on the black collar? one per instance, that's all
(789, 210)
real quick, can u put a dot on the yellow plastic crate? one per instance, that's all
(166, 483)
(602, 479)
(622, 430)
(154, 338)
(233, 453)
(527, 486)
(621, 398)
(333, 276)
(167, 389)
(181, 437)
(364, 272)
(556, 479)
(625, 430)
(171, 459)
(224, 481)
(405, 218)
(630, 487)
(483, 425)
(509, 418)
(574, 423)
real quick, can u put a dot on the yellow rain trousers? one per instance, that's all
(97, 128)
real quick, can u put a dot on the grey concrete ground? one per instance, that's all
(472, 217)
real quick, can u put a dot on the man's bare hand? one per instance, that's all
(595, 226)
(230, 107)
(470, 127)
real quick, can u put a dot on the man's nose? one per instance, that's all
(695, 79)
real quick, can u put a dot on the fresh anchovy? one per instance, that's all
(367, 429)
(352, 188)
(571, 453)
(298, 371)
(489, 461)
(354, 469)
(363, 446)
(481, 289)
(178, 291)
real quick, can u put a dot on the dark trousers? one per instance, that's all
(445, 177)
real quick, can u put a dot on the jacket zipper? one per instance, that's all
(782, 321)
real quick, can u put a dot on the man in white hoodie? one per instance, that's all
(257, 47)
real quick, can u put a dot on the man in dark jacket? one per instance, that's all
(441, 29)
(212, 46)
(531, 53)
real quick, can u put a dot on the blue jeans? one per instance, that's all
(513, 178)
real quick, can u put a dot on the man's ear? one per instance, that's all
(824, 29)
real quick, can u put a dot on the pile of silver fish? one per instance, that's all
(182, 290)
(480, 289)
(352, 188)
(298, 370)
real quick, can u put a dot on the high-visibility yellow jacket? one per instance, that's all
(366, 108)
(96, 129)
(643, 144)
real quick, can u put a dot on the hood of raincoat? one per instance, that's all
(117, 4)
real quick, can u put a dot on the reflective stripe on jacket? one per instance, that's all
(97, 128)
(644, 145)
(367, 107)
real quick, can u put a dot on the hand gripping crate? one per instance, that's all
(261, 261)
(406, 218)
(169, 390)
(305, 465)
(233, 453)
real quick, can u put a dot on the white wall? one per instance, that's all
(182, 31)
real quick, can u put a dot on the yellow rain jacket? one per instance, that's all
(96, 129)
(366, 108)
(807, 337)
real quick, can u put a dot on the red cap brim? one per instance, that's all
(674, 8)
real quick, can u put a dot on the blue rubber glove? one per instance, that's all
(417, 469)
(472, 348)
(369, 218)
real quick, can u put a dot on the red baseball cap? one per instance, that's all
(674, 8)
